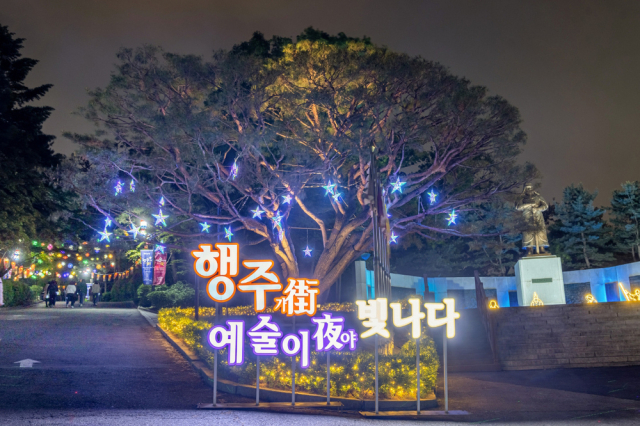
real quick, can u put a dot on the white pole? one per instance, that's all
(418, 373)
(215, 365)
(293, 371)
(328, 379)
(257, 380)
(446, 382)
(376, 360)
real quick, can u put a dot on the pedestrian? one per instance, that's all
(71, 292)
(45, 295)
(82, 292)
(53, 293)
(95, 292)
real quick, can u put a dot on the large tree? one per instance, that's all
(625, 216)
(273, 120)
(26, 198)
(583, 235)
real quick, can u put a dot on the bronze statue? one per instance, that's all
(531, 204)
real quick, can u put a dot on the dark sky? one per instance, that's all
(571, 67)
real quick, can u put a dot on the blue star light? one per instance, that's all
(329, 188)
(276, 219)
(234, 171)
(452, 217)
(160, 218)
(160, 248)
(394, 238)
(307, 251)
(104, 235)
(227, 233)
(107, 222)
(286, 199)
(135, 230)
(257, 213)
(132, 186)
(118, 187)
(205, 227)
(161, 202)
(398, 186)
(336, 197)
(432, 197)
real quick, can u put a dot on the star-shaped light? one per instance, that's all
(205, 227)
(276, 219)
(257, 213)
(160, 248)
(104, 235)
(329, 188)
(107, 222)
(134, 230)
(286, 199)
(234, 171)
(160, 218)
(432, 197)
(307, 251)
(452, 218)
(132, 186)
(398, 186)
(118, 187)
(394, 238)
(336, 197)
(227, 233)
(161, 202)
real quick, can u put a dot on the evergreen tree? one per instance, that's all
(583, 234)
(26, 200)
(625, 217)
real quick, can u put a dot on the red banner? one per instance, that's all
(159, 268)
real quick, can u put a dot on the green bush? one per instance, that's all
(143, 292)
(16, 294)
(35, 292)
(177, 295)
(105, 297)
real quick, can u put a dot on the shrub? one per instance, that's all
(16, 293)
(35, 292)
(142, 293)
(177, 295)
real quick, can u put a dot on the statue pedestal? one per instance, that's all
(541, 274)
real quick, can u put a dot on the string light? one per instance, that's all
(286, 199)
(227, 233)
(590, 298)
(630, 297)
(329, 189)
(160, 218)
(397, 186)
(432, 197)
(493, 305)
(453, 216)
(257, 213)
(205, 227)
(118, 187)
(536, 300)
(307, 251)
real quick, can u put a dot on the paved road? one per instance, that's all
(110, 367)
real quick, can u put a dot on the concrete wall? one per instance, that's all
(503, 285)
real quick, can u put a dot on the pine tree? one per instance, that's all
(584, 236)
(625, 217)
(25, 151)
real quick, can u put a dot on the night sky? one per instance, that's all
(571, 67)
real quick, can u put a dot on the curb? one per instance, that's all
(275, 395)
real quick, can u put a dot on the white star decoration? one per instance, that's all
(104, 235)
(286, 199)
(160, 218)
(329, 188)
(134, 230)
(452, 217)
(394, 238)
(205, 227)
(398, 186)
(432, 197)
(227, 233)
(257, 213)
(307, 251)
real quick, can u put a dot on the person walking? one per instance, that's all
(82, 292)
(45, 295)
(71, 292)
(95, 292)
(53, 293)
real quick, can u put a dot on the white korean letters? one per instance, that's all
(231, 338)
(449, 319)
(219, 265)
(413, 319)
(375, 312)
(262, 271)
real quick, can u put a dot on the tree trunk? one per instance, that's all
(584, 250)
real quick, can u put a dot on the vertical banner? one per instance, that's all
(160, 268)
(147, 266)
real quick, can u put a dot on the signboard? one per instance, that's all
(146, 256)
(159, 268)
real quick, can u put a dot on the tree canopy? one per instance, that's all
(286, 128)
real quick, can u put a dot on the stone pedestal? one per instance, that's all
(542, 275)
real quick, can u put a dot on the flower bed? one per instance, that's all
(352, 373)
